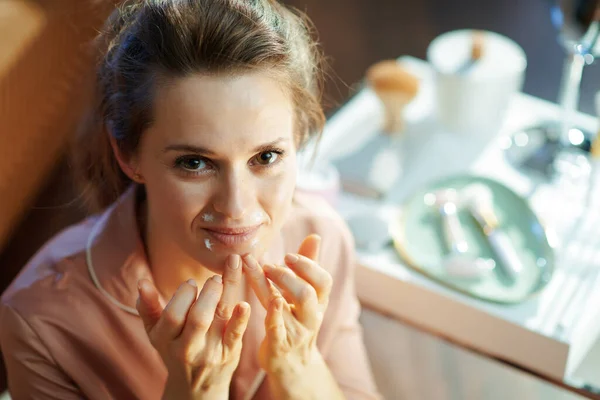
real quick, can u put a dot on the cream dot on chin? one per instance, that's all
(208, 244)
(254, 243)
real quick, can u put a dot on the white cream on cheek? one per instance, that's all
(258, 217)
(208, 244)
(208, 217)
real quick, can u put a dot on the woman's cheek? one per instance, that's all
(180, 202)
(277, 194)
(194, 198)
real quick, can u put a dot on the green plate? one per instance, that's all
(419, 241)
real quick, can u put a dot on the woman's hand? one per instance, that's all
(199, 339)
(296, 299)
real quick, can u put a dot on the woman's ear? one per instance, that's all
(128, 165)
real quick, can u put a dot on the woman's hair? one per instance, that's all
(146, 42)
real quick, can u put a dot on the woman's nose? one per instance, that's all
(234, 197)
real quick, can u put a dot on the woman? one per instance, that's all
(202, 107)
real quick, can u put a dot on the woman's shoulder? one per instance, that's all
(52, 303)
(51, 274)
(312, 214)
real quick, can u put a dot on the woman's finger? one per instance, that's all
(317, 276)
(232, 277)
(288, 297)
(236, 327)
(275, 330)
(260, 284)
(202, 313)
(310, 247)
(172, 320)
(303, 295)
(148, 304)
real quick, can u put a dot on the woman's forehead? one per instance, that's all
(221, 93)
(242, 111)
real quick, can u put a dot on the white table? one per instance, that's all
(555, 334)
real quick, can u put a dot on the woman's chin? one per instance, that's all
(215, 258)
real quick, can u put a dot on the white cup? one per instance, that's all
(474, 100)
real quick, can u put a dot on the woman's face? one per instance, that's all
(219, 165)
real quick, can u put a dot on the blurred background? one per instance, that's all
(46, 70)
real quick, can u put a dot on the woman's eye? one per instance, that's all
(267, 157)
(192, 163)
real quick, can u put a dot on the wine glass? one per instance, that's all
(535, 150)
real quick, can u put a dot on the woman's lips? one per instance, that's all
(230, 237)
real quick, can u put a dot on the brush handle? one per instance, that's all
(510, 262)
(452, 230)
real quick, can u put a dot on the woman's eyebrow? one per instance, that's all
(270, 145)
(207, 152)
(189, 148)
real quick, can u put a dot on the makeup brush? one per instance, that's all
(395, 87)
(477, 45)
(594, 161)
(458, 263)
(480, 202)
(477, 51)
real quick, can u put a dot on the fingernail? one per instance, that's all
(279, 304)
(249, 261)
(291, 258)
(269, 268)
(218, 279)
(234, 261)
(144, 284)
(192, 282)
(243, 308)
